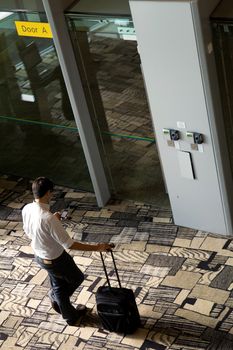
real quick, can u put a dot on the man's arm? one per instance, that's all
(101, 247)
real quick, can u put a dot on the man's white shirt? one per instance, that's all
(48, 236)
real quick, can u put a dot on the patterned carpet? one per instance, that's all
(182, 278)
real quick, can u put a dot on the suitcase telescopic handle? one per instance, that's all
(115, 268)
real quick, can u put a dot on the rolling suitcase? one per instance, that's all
(116, 307)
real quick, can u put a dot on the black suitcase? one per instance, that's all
(116, 307)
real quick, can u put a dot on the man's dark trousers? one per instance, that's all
(65, 278)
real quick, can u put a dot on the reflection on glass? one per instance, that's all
(223, 47)
(109, 64)
(38, 134)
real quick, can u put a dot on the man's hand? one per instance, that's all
(58, 215)
(105, 247)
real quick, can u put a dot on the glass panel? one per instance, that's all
(100, 7)
(38, 134)
(223, 47)
(106, 52)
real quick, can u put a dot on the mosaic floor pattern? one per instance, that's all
(182, 278)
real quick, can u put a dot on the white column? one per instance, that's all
(174, 39)
(78, 102)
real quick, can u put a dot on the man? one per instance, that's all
(49, 241)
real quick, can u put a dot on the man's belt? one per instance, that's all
(48, 261)
(45, 261)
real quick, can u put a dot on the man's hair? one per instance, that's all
(41, 186)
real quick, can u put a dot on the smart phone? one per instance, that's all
(64, 214)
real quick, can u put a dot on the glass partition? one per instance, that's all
(223, 48)
(109, 64)
(38, 134)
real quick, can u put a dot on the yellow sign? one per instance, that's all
(36, 29)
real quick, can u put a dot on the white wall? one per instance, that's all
(176, 75)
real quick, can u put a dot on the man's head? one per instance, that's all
(41, 187)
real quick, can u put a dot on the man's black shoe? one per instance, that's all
(81, 307)
(81, 310)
